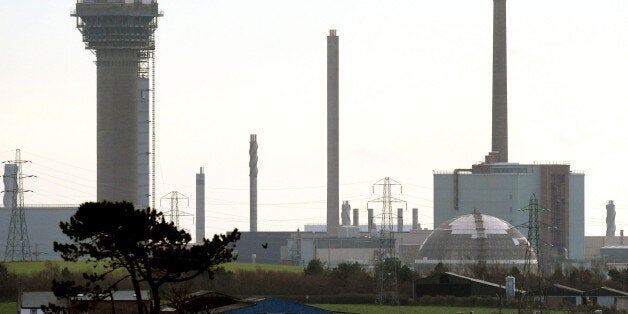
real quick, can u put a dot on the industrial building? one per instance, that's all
(500, 188)
(471, 239)
(121, 34)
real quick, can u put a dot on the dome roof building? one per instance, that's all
(474, 238)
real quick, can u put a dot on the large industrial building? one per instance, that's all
(501, 188)
(469, 239)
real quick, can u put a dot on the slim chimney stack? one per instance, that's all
(399, 219)
(200, 206)
(370, 220)
(253, 182)
(356, 217)
(500, 82)
(332, 134)
(415, 218)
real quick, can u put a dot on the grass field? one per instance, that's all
(8, 307)
(25, 268)
(373, 309)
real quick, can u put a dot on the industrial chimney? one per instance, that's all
(500, 86)
(399, 219)
(253, 182)
(370, 220)
(356, 217)
(200, 206)
(332, 134)
(415, 218)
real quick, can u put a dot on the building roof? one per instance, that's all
(606, 291)
(34, 300)
(474, 237)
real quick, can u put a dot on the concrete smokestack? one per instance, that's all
(399, 219)
(200, 206)
(415, 218)
(253, 182)
(332, 134)
(500, 82)
(356, 217)
(370, 219)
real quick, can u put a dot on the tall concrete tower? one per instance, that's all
(500, 82)
(333, 199)
(120, 32)
(253, 182)
(200, 206)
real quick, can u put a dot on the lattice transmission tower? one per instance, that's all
(18, 246)
(174, 213)
(534, 249)
(386, 256)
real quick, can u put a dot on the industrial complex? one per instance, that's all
(479, 210)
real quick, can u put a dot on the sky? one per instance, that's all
(415, 96)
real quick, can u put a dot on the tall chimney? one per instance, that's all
(370, 220)
(200, 206)
(356, 217)
(332, 134)
(399, 219)
(415, 218)
(253, 182)
(500, 86)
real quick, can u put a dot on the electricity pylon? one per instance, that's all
(386, 257)
(174, 213)
(18, 246)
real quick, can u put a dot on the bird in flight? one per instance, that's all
(265, 245)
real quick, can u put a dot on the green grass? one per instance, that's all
(373, 309)
(26, 268)
(268, 267)
(8, 307)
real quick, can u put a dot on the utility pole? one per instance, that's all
(174, 212)
(17, 247)
(386, 256)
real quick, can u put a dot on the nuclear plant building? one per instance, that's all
(500, 188)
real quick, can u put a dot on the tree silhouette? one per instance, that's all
(153, 252)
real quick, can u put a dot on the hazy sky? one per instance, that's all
(415, 96)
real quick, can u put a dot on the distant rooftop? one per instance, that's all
(118, 1)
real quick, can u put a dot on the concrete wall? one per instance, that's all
(43, 229)
(499, 195)
(593, 244)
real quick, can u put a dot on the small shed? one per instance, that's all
(215, 302)
(608, 297)
(271, 305)
(453, 284)
(558, 295)
(124, 301)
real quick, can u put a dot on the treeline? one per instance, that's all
(348, 283)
